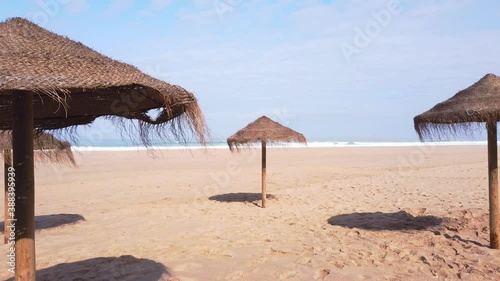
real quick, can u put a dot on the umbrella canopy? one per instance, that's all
(263, 130)
(50, 82)
(50, 148)
(74, 85)
(463, 112)
(478, 103)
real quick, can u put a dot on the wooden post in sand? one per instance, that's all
(22, 147)
(493, 185)
(7, 162)
(263, 174)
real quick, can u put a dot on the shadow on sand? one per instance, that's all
(385, 221)
(240, 197)
(108, 268)
(50, 221)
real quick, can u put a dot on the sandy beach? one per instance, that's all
(387, 213)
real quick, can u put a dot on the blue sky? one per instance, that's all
(334, 70)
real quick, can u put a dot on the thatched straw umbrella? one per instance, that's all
(480, 103)
(263, 130)
(48, 147)
(50, 82)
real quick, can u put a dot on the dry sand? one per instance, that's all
(401, 213)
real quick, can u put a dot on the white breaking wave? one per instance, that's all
(281, 145)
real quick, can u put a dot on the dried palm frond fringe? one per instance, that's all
(47, 148)
(462, 114)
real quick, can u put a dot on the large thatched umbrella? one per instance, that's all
(48, 147)
(49, 82)
(480, 103)
(263, 130)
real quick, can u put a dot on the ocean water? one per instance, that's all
(121, 146)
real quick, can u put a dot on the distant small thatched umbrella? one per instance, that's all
(48, 147)
(461, 113)
(263, 130)
(49, 82)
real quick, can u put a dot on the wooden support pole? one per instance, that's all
(493, 185)
(7, 162)
(263, 174)
(22, 146)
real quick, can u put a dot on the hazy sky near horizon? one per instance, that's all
(338, 70)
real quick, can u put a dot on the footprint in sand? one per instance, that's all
(280, 252)
(416, 212)
(258, 261)
(237, 275)
(186, 266)
(321, 274)
(305, 260)
(217, 254)
(286, 275)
